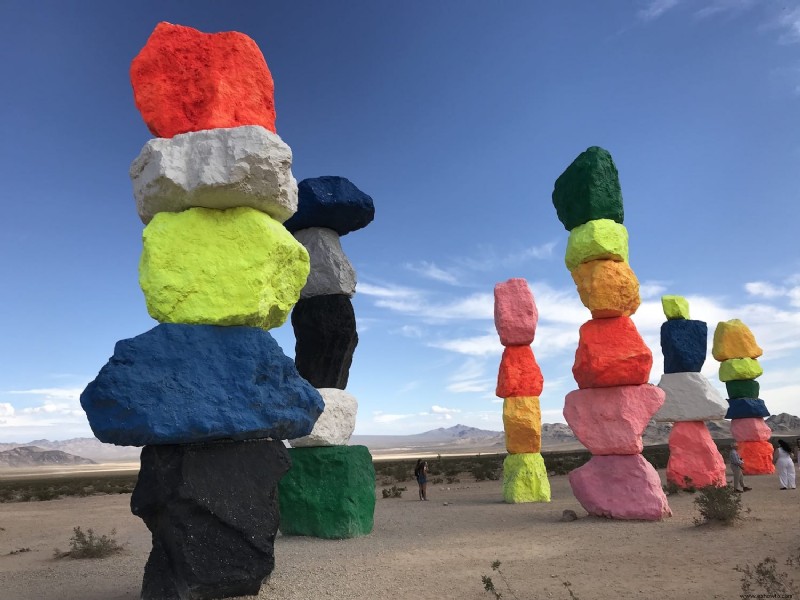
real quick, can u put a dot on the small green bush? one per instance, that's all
(90, 545)
(718, 504)
(393, 492)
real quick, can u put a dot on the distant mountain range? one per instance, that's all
(33, 456)
(459, 439)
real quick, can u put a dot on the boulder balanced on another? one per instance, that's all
(694, 460)
(522, 423)
(596, 240)
(752, 429)
(733, 339)
(684, 343)
(519, 374)
(515, 313)
(689, 397)
(757, 457)
(336, 423)
(332, 202)
(525, 479)
(331, 271)
(607, 288)
(746, 408)
(675, 307)
(611, 353)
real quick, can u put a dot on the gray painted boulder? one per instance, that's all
(331, 271)
(689, 397)
(336, 423)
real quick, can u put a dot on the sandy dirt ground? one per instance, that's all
(422, 550)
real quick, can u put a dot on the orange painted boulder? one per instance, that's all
(185, 80)
(522, 421)
(515, 314)
(620, 487)
(610, 353)
(751, 429)
(611, 420)
(608, 288)
(757, 458)
(733, 339)
(519, 374)
(693, 456)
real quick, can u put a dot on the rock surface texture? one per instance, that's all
(515, 313)
(752, 429)
(607, 288)
(525, 479)
(675, 307)
(596, 240)
(332, 202)
(522, 422)
(336, 423)
(739, 368)
(611, 353)
(519, 374)
(331, 271)
(733, 339)
(683, 343)
(689, 397)
(757, 456)
(185, 80)
(217, 168)
(746, 408)
(694, 460)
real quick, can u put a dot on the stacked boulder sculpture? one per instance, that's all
(736, 348)
(694, 460)
(519, 383)
(208, 392)
(614, 402)
(330, 490)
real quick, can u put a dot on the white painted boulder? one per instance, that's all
(216, 168)
(336, 423)
(331, 271)
(689, 397)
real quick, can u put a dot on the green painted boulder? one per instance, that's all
(588, 190)
(595, 240)
(736, 369)
(221, 267)
(675, 307)
(525, 478)
(328, 493)
(742, 388)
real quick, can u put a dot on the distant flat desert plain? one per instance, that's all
(436, 549)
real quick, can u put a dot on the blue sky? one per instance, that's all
(457, 118)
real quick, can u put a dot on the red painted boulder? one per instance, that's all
(610, 353)
(515, 314)
(185, 80)
(757, 458)
(519, 374)
(752, 429)
(620, 487)
(611, 420)
(693, 456)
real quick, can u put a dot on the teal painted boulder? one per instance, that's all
(589, 189)
(328, 493)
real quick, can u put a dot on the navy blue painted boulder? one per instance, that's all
(332, 202)
(683, 343)
(178, 384)
(745, 408)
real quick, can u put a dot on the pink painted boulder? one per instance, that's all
(752, 429)
(515, 314)
(611, 352)
(694, 460)
(611, 420)
(620, 487)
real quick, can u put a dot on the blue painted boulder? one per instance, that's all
(683, 343)
(332, 202)
(746, 408)
(179, 384)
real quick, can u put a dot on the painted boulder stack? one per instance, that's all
(736, 348)
(690, 400)
(208, 392)
(330, 490)
(519, 384)
(614, 402)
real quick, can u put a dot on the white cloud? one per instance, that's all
(656, 8)
(6, 410)
(52, 393)
(387, 291)
(431, 271)
(470, 378)
(650, 289)
(540, 252)
(441, 410)
(381, 417)
(482, 345)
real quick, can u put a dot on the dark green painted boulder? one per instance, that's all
(588, 190)
(742, 388)
(328, 493)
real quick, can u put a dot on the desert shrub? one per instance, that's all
(453, 480)
(671, 488)
(490, 588)
(436, 480)
(766, 579)
(19, 551)
(90, 545)
(718, 504)
(482, 472)
(393, 492)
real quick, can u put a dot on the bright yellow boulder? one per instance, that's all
(522, 420)
(675, 307)
(595, 240)
(608, 288)
(733, 339)
(736, 369)
(525, 479)
(221, 267)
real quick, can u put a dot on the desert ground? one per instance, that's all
(435, 549)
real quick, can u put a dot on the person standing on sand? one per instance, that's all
(784, 463)
(736, 468)
(421, 474)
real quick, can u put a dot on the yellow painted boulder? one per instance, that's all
(522, 421)
(595, 240)
(221, 267)
(675, 307)
(608, 288)
(525, 479)
(735, 369)
(733, 339)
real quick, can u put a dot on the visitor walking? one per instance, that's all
(421, 474)
(737, 462)
(784, 463)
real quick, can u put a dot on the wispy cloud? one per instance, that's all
(656, 8)
(470, 378)
(441, 410)
(763, 289)
(387, 291)
(430, 271)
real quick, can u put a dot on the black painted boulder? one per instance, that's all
(743, 388)
(325, 334)
(213, 512)
(179, 384)
(684, 343)
(328, 493)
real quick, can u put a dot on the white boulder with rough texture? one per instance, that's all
(336, 423)
(689, 397)
(331, 271)
(216, 168)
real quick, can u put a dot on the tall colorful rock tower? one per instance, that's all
(614, 402)
(736, 348)
(208, 392)
(694, 460)
(330, 490)
(519, 383)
